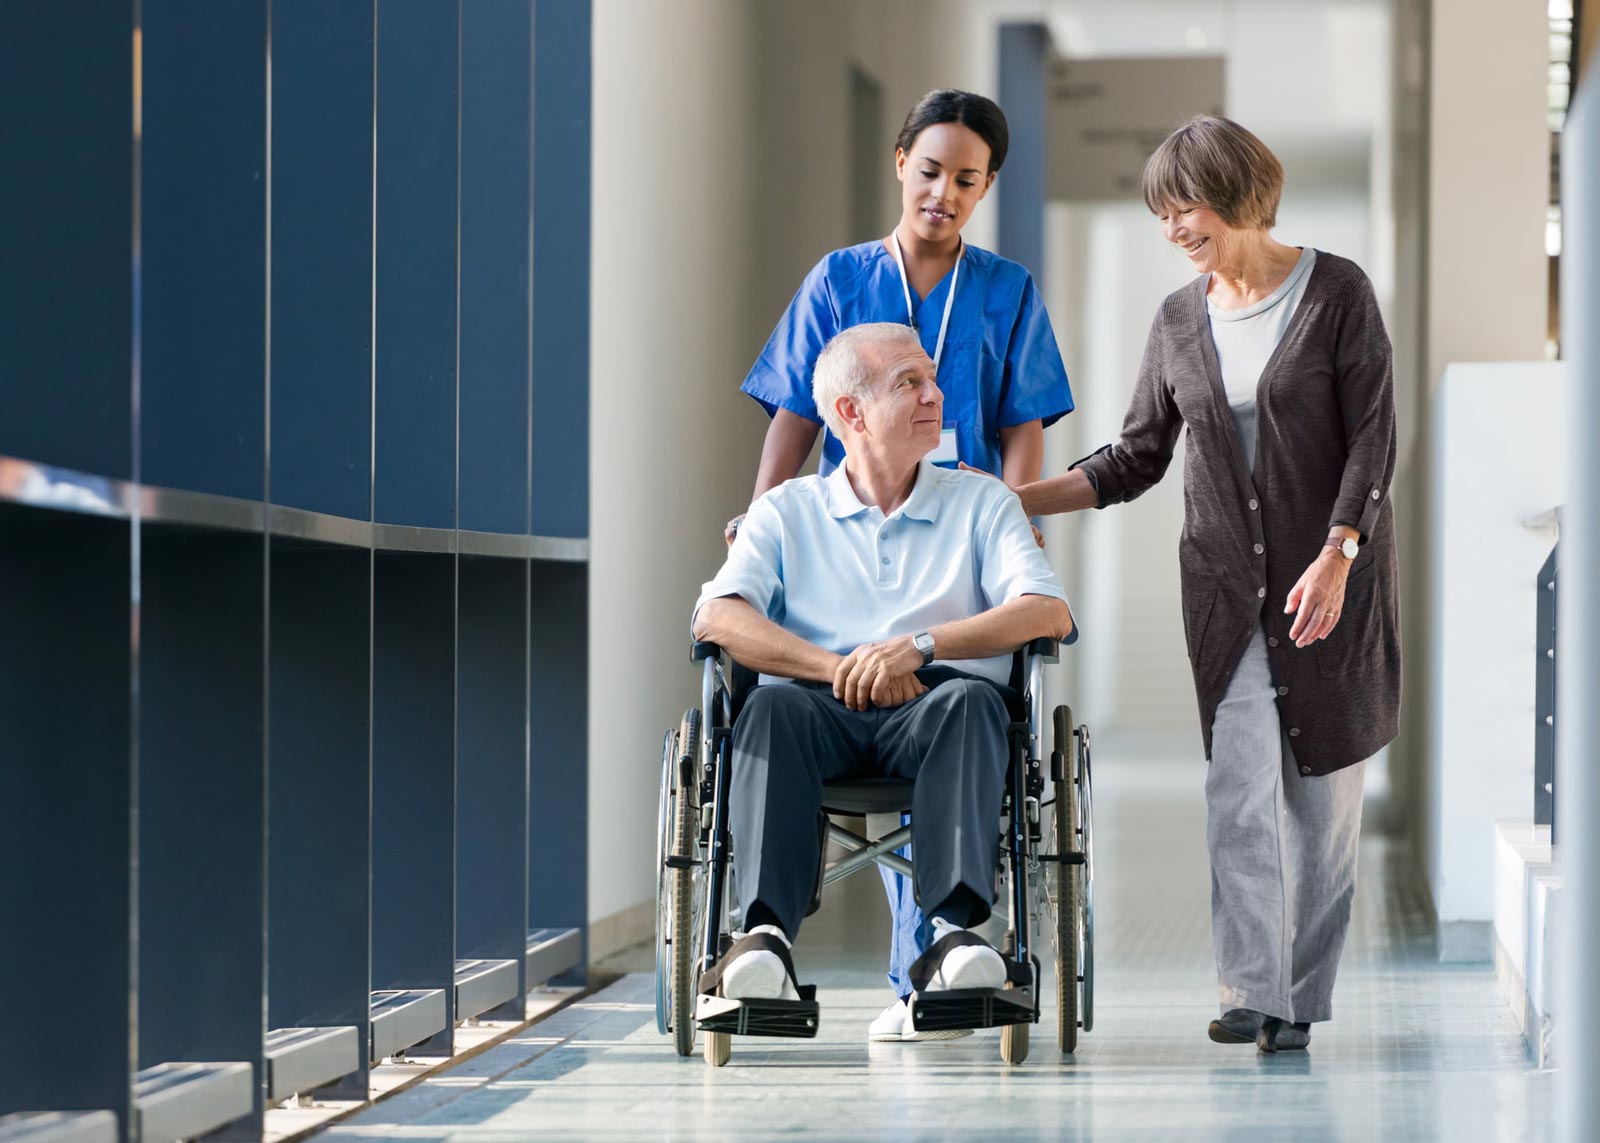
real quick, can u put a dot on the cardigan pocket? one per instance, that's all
(1348, 647)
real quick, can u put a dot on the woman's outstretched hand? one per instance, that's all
(1317, 600)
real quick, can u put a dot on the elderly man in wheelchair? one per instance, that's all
(882, 606)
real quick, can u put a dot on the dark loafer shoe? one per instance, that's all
(1237, 1026)
(1276, 1036)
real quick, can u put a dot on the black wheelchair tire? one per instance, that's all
(685, 834)
(1068, 881)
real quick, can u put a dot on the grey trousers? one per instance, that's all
(792, 737)
(1283, 856)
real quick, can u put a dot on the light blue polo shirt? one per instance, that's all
(819, 563)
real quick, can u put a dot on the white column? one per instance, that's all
(1487, 178)
(1578, 637)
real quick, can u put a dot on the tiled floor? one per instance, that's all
(1415, 1051)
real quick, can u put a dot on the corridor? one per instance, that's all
(1416, 1050)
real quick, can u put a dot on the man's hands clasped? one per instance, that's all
(879, 674)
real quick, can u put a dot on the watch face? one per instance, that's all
(1350, 548)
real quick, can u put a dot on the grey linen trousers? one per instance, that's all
(792, 737)
(1283, 855)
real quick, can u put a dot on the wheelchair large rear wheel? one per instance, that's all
(664, 827)
(686, 881)
(1066, 880)
(1083, 787)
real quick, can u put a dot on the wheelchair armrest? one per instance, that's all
(702, 651)
(1047, 649)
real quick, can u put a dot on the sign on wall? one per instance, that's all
(1105, 116)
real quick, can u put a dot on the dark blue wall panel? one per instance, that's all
(66, 233)
(495, 127)
(558, 827)
(413, 773)
(491, 760)
(415, 290)
(319, 808)
(562, 77)
(1024, 54)
(203, 246)
(322, 256)
(65, 812)
(202, 790)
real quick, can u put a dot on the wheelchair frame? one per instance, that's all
(695, 849)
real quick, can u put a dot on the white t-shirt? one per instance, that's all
(819, 563)
(1246, 340)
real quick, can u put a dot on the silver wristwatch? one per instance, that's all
(1349, 549)
(923, 642)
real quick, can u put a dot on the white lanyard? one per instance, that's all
(949, 300)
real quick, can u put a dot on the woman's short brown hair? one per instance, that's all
(1214, 162)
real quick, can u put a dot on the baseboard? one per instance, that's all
(1466, 942)
(621, 929)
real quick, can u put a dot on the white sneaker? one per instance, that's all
(759, 974)
(968, 966)
(893, 1026)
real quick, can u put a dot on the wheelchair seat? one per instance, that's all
(866, 796)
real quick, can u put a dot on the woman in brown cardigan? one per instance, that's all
(1276, 360)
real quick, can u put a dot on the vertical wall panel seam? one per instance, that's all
(372, 491)
(266, 562)
(136, 127)
(455, 590)
(527, 573)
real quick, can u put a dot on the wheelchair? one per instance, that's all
(1046, 872)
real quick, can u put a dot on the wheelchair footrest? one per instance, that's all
(792, 1018)
(961, 1008)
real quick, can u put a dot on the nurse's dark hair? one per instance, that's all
(976, 112)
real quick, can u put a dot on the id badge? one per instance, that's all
(947, 452)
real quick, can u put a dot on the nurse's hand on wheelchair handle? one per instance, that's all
(879, 674)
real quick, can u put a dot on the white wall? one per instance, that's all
(1471, 181)
(1499, 461)
(721, 174)
(668, 266)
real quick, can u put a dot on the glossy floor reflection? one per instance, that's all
(1415, 1051)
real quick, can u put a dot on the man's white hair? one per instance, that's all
(845, 370)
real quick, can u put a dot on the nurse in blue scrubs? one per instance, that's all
(983, 323)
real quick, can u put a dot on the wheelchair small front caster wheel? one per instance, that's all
(719, 1046)
(1014, 1043)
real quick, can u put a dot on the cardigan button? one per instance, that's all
(1254, 505)
(1283, 690)
(1261, 593)
(1272, 641)
(1305, 769)
(1294, 732)
(1259, 549)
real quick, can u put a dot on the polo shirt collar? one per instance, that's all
(922, 504)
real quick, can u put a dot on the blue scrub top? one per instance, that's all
(1001, 366)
